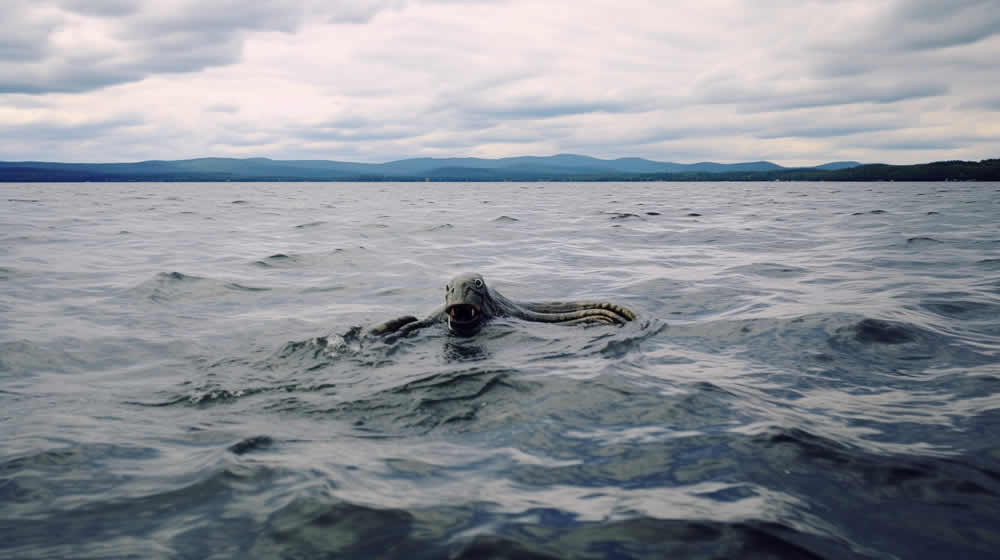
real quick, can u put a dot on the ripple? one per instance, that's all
(310, 225)
(451, 400)
(963, 309)
(771, 270)
(276, 259)
(922, 241)
(991, 264)
(624, 216)
(168, 287)
(440, 227)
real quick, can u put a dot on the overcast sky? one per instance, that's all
(796, 82)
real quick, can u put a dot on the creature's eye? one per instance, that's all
(479, 282)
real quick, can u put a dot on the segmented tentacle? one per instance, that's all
(591, 314)
(569, 306)
(589, 320)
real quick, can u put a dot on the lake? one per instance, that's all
(814, 371)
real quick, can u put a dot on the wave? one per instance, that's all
(963, 309)
(841, 337)
(117, 510)
(538, 534)
(169, 287)
(374, 385)
(881, 478)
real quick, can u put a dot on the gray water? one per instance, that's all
(814, 373)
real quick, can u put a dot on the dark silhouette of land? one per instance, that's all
(565, 167)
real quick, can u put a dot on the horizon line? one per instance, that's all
(411, 158)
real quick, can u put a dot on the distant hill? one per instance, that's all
(558, 167)
(838, 165)
(563, 167)
(985, 170)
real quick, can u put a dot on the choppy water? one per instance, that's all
(815, 372)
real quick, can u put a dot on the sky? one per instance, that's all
(796, 82)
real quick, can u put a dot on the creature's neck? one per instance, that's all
(500, 305)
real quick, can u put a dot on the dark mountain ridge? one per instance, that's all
(568, 167)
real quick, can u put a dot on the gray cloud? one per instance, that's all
(145, 38)
(378, 79)
(906, 40)
(653, 135)
(985, 103)
(918, 144)
(931, 24)
(24, 48)
(220, 17)
(352, 122)
(830, 94)
(827, 131)
(69, 80)
(55, 131)
(360, 11)
(537, 108)
(24, 37)
(113, 8)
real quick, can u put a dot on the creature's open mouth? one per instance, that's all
(463, 313)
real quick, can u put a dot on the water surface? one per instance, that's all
(814, 372)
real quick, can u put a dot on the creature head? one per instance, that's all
(467, 304)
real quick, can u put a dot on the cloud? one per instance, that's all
(905, 37)
(929, 24)
(796, 81)
(770, 97)
(826, 131)
(918, 144)
(104, 8)
(58, 131)
(52, 46)
(989, 103)
(354, 135)
(534, 108)
(24, 33)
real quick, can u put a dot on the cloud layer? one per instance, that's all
(796, 82)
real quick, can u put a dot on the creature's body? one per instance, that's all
(469, 304)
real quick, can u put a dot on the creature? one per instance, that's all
(469, 304)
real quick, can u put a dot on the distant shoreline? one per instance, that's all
(555, 168)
